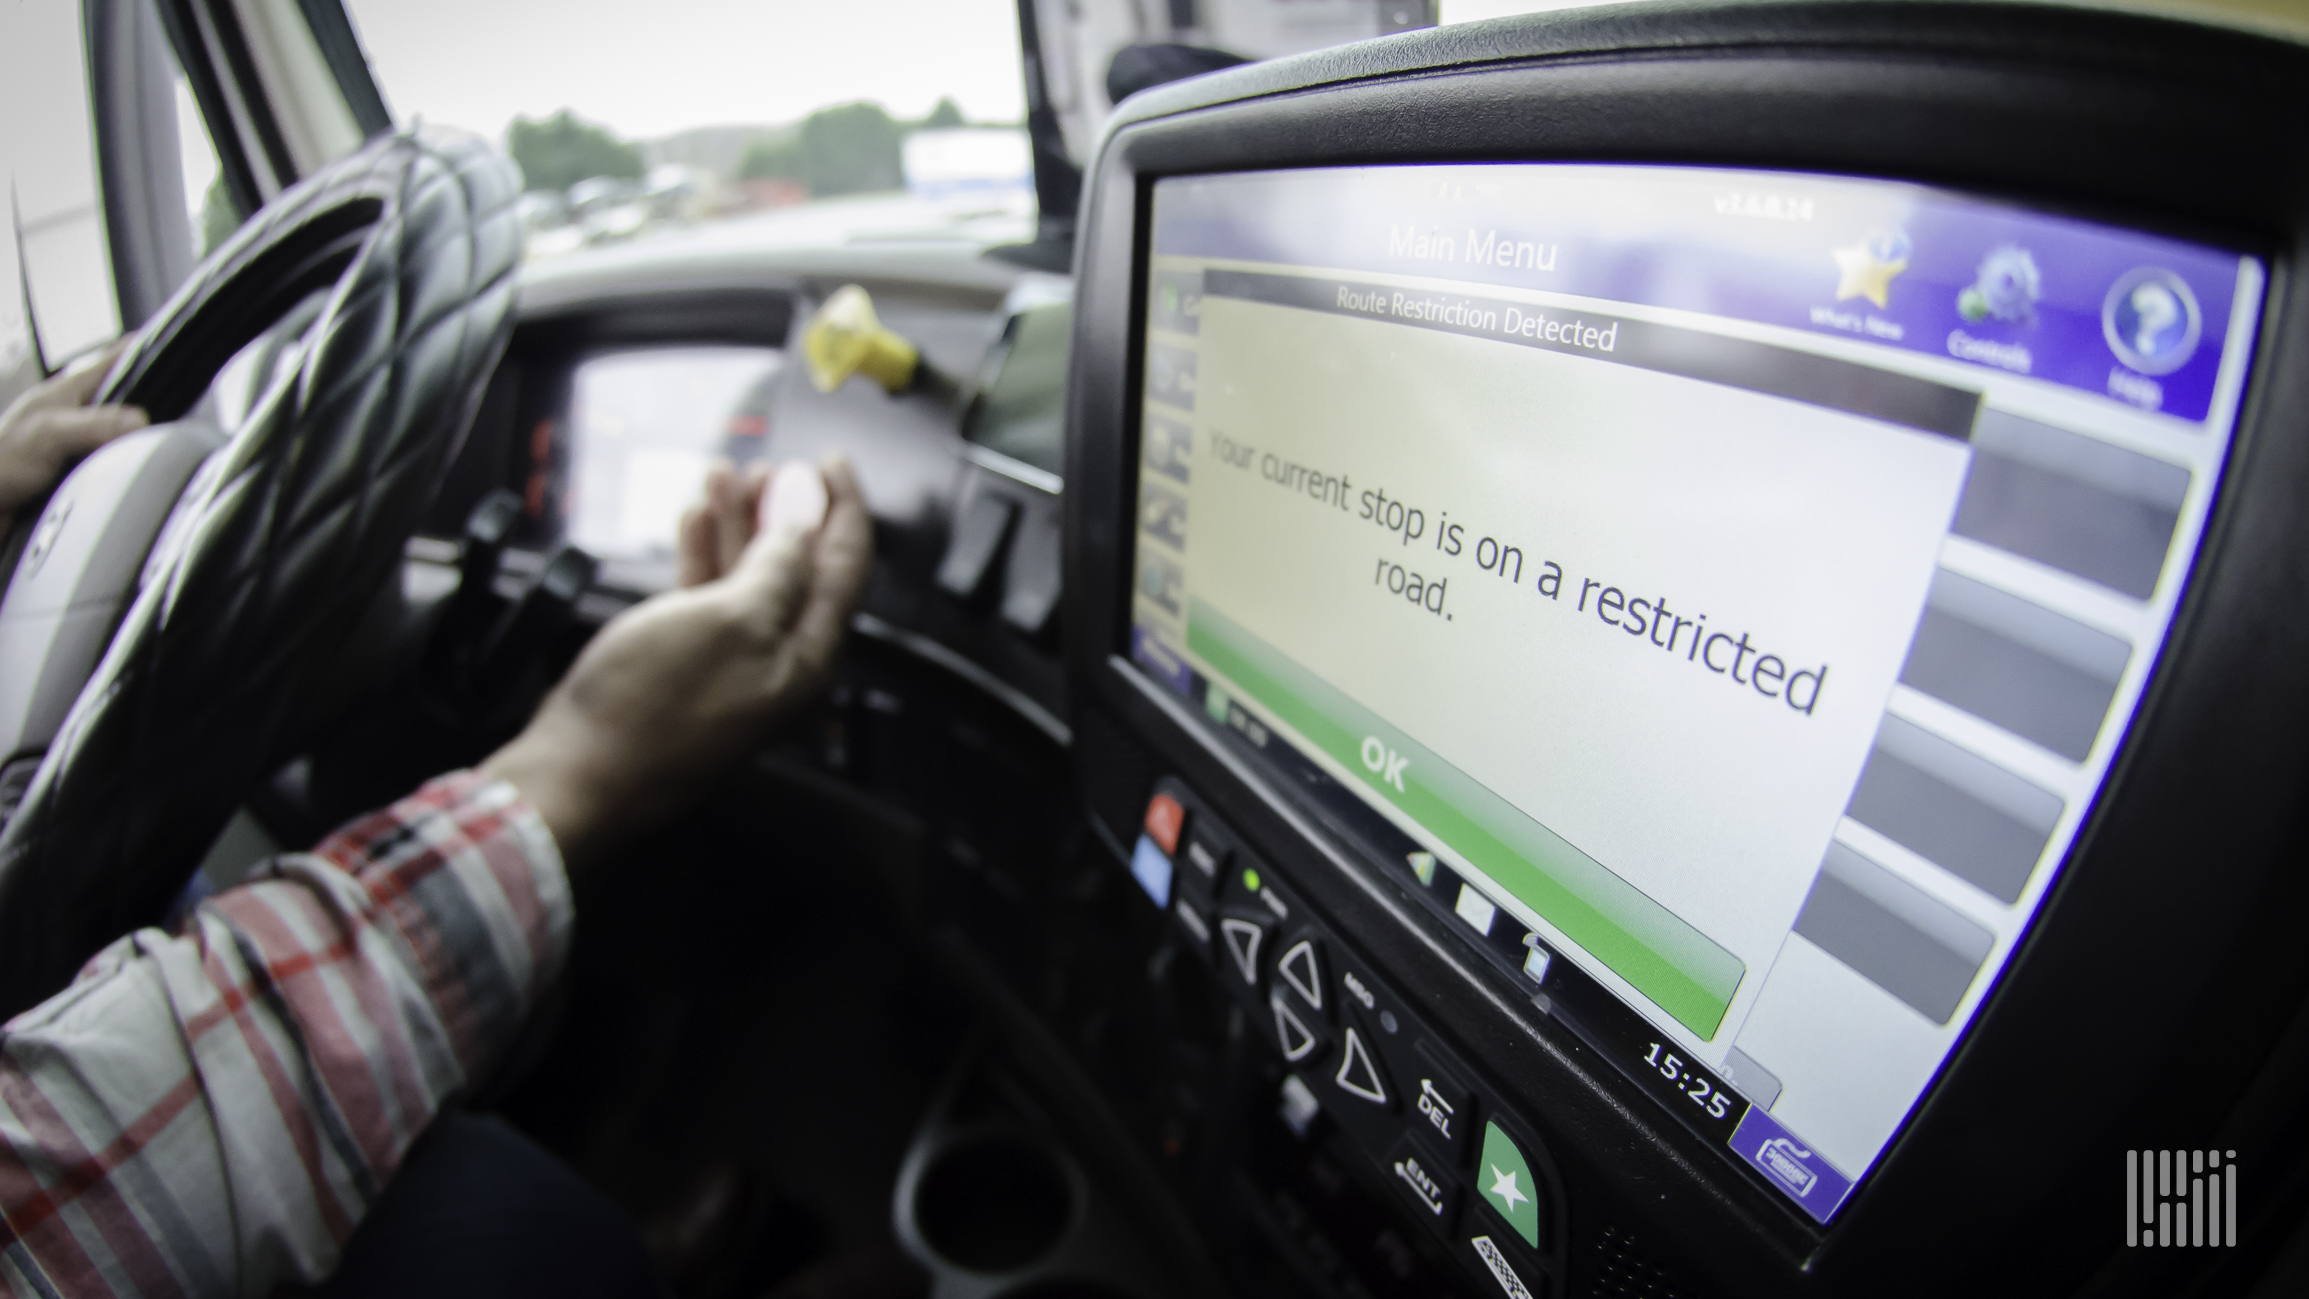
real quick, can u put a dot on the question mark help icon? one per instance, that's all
(2151, 320)
(2153, 312)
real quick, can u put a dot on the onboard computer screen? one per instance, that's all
(1724, 592)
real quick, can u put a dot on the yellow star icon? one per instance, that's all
(1862, 274)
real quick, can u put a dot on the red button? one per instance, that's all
(1164, 819)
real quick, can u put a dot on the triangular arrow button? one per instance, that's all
(1358, 1073)
(1243, 938)
(1298, 1040)
(1298, 969)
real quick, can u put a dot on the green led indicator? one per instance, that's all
(1251, 880)
(1215, 703)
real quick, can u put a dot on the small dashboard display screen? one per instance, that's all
(644, 426)
(1722, 591)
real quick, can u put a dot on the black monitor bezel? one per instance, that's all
(2145, 122)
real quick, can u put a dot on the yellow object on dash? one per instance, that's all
(845, 338)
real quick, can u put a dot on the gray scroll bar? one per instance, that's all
(2079, 504)
(1666, 349)
(1894, 934)
(1954, 808)
(2036, 673)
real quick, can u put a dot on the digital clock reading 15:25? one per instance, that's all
(1698, 1090)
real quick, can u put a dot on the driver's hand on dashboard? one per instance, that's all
(714, 533)
(676, 688)
(51, 426)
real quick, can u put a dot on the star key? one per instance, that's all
(1503, 1185)
(1509, 1188)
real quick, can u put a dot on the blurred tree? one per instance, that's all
(947, 113)
(850, 149)
(563, 150)
(776, 157)
(845, 149)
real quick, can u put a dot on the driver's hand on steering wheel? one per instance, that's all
(48, 429)
(676, 688)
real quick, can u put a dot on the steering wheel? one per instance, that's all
(282, 539)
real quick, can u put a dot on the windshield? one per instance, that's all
(768, 123)
(774, 121)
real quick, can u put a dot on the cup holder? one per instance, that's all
(994, 1203)
(997, 1202)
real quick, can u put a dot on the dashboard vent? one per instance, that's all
(1622, 1271)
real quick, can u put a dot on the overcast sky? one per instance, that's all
(647, 68)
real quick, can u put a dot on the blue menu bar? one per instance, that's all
(2134, 317)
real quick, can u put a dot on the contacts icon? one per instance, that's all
(2151, 320)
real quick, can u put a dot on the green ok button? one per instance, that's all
(1505, 1180)
(1662, 956)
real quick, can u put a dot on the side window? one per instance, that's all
(113, 186)
(19, 368)
(163, 201)
(57, 217)
(208, 201)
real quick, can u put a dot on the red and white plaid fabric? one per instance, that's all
(212, 1112)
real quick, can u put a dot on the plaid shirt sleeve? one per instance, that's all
(211, 1112)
